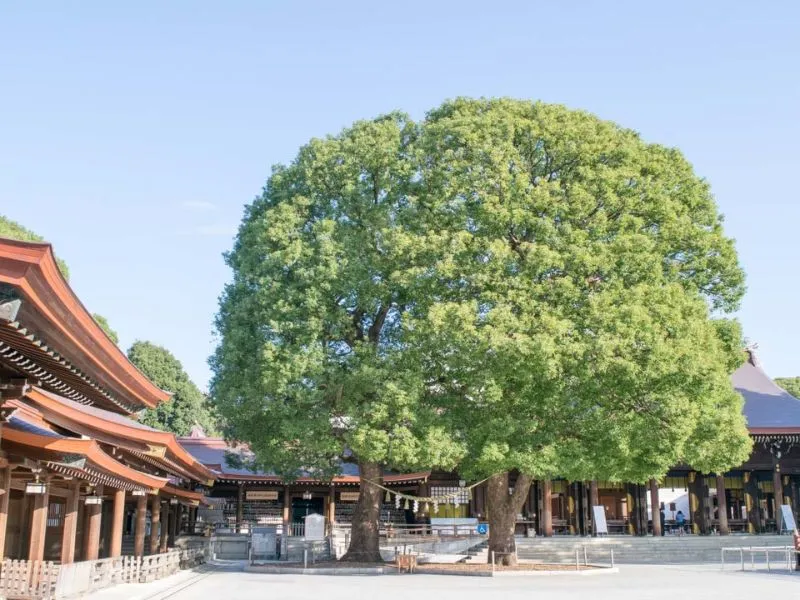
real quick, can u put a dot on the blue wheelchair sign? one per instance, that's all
(482, 528)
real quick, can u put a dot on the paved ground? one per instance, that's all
(640, 582)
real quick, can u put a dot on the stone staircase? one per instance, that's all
(478, 554)
(689, 549)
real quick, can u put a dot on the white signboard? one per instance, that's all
(599, 518)
(315, 527)
(348, 496)
(260, 495)
(787, 518)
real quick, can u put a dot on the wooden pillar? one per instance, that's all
(630, 505)
(569, 489)
(655, 513)
(777, 493)
(165, 525)
(140, 525)
(174, 522)
(594, 500)
(722, 507)
(695, 508)
(93, 515)
(547, 508)
(239, 508)
(69, 533)
(752, 502)
(332, 507)
(117, 523)
(5, 489)
(287, 503)
(38, 530)
(155, 523)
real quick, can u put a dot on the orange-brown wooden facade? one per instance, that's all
(80, 478)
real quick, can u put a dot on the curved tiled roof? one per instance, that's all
(212, 453)
(767, 407)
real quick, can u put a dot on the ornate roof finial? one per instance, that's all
(197, 432)
(750, 348)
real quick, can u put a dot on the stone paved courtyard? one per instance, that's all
(641, 582)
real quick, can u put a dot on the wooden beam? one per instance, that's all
(141, 520)
(239, 508)
(655, 512)
(117, 523)
(91, 529)
(5, 485)
(165, 525)
(752, 503)
(69, 534)
(777, 492)
(547, 508)
(594, 500)
(155, 523)
(722, 507)
(41, 504)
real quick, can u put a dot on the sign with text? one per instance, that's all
(787, 518)
(261, 495)
(348, 496)
(315, 527)
(263, 543)
(599, 517)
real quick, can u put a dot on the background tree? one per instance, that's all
(790, 384)
(103, 322)
(188, 406)
(313, 367)
(13, 230)
(577, 338)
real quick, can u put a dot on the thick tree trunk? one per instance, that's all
(364, 540)
(503, 509)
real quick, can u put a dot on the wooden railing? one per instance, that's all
(37, 580)
(28, 579)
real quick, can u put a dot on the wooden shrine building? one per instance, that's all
(744, 500)
(80, 478)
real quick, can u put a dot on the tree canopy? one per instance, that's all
(14, 231)
(103, 322)
(790, 384)
(188, 406)
(506, 284)
(584, 269)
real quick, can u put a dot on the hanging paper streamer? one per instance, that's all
(416, 506)
(397, 502)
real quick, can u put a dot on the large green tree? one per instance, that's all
(522, 286)
(577, 339)
(313, 368)
(188, 405)
(13, 230)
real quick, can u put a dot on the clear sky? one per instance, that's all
(133, 133)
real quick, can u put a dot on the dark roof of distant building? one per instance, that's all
(212, 453)
(767, 407)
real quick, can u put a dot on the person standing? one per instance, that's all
(663, 518)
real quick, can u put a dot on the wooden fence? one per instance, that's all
(38, 580)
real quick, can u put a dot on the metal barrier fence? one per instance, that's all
(789, 555)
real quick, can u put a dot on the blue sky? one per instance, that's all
(132, 134)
